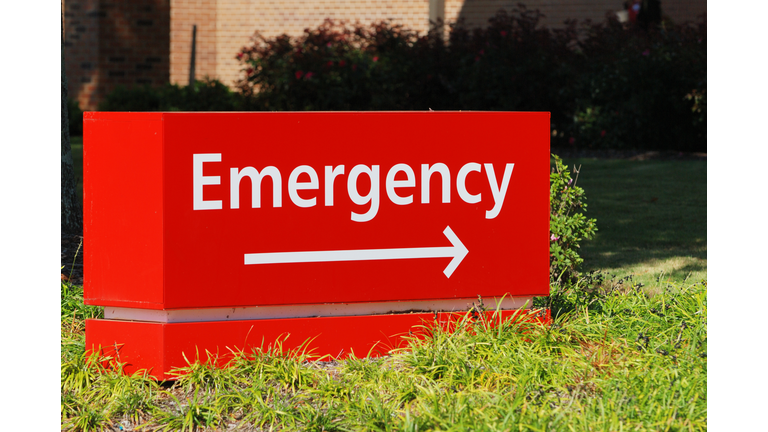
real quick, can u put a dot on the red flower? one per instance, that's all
(329, 64)
(571, 140)
(375, 59)
(342, 63)
(308, 75)
(249, 71)
(602, 133)
(239, 56)
(503, 32)
(299, 74)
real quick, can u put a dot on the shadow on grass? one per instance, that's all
(651, 215)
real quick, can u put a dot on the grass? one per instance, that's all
(629, 362)
(651, 218)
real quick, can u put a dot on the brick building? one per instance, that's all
(113, 42)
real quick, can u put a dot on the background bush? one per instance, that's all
(641, 89)
(206, 95)
(606, 85)
(510, 65)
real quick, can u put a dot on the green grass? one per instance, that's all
(651, 218)
(630, 362)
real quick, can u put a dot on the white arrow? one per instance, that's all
(457, 252)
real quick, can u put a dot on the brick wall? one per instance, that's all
(185, 14)
(81, 50)
(235, 24)
(111, 42)
(228, 25)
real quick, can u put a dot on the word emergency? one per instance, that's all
(330, 175)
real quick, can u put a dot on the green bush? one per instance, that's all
(641, 89)
(334, 67)
(206, 95)
(605, 86)
(510, 65)
(568, 225)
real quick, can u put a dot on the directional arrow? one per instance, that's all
(457, 252)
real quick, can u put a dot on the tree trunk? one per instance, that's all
(71, 210)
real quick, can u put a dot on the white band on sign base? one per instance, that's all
(309, 310)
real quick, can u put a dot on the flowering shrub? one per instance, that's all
(508, 66)
(605, 85)
(641, 89)
(335, 67)
(611, 87)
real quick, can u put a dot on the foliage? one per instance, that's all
(568, 225)
(206, 95)
(628, 360)
(605, 85)
(73, 315)
(641, 89)
(384, 66)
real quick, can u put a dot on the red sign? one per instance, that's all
(211, 210)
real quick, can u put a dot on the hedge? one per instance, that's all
(607, 85)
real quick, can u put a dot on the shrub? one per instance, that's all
(641, 89)
(206, 95)
(332, 67)
(508, 66)
(568, 225)
(605, 85)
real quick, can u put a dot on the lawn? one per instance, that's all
(630, 362)
(633, 359)
(651, 218)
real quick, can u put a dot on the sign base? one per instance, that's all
(161, 347)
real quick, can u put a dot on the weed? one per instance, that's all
(197, 412)
(86, 414)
